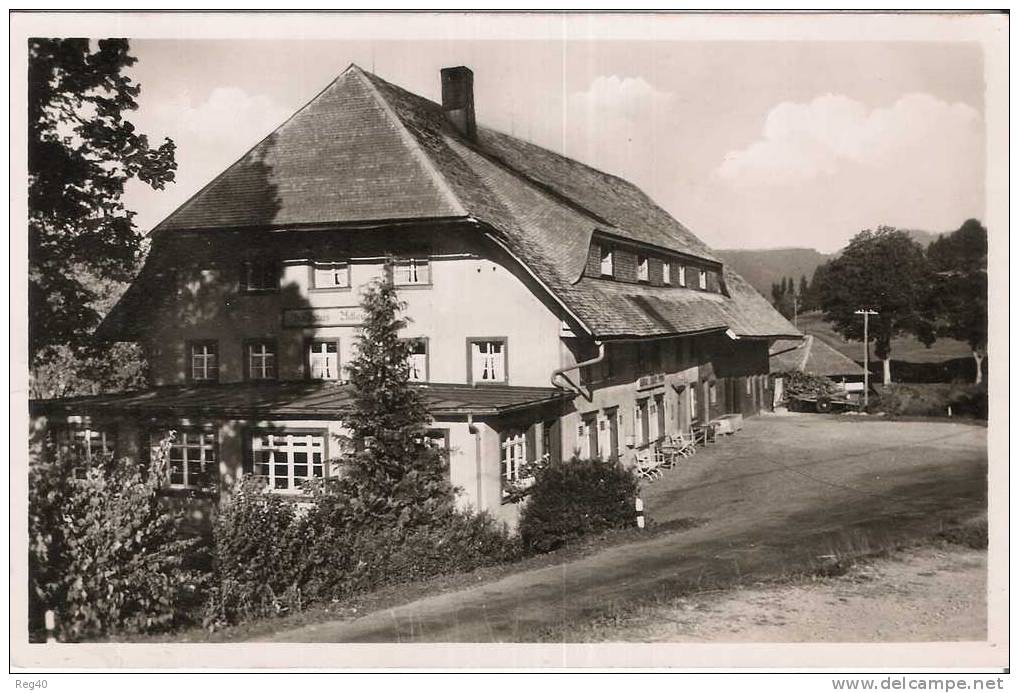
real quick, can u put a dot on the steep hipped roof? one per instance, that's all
(367, 151)
(812, 355)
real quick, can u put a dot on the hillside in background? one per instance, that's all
(767, 266)
(762, 268)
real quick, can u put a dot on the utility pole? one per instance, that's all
(866, 313)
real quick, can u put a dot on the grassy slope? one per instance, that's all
(904, 348)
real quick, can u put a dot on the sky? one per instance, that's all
(749, 144)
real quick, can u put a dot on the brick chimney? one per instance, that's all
(458, 99)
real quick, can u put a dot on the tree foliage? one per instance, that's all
(959, 296)
(104, 553)
(81, 152)
(397, 475)
(883, 270)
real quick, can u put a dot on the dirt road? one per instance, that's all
(926, 594)
(773, 499)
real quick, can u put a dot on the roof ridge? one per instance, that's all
(416, 149)
(807, 346)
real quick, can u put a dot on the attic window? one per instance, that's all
(606, 262)
(702, 280)
(642, 271)
(667, 273)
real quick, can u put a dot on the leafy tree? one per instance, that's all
(81, 152)
(105, 554)
(886, 271)
(959, 299)
(397, 475)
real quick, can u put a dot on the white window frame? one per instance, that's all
(491, 362)
(281, 448)
(607, 269)
(702, 280)
(666, 273)
(204, 362)
(416, 271)
(750, 386)
(513, 457)
(681, 275)
(324, 356)
(268, 368)
(642, 268)
(330, 275)
(713, 392)
(197, 448)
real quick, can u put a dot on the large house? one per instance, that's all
(555, 309)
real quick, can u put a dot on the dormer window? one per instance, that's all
(260, 275)
(667, 273)
(702, 280)
(412, 272)
(606, 262)
(681, 275)
(642, 268)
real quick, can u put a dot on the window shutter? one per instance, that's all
(530, 441)
(243, 279)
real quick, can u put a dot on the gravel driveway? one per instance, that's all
(772, 499)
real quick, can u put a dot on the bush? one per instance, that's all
(273, 556)
(258, 556)
(931, 399)
(575, 499)
(104, 554)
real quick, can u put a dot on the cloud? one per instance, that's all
(611, 125)
(828, 135)
(630, 98)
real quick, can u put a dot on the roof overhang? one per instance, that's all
(291, 400)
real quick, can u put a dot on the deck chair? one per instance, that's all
(664, 455)
(703, 434)
(647, 466)
(683, 445)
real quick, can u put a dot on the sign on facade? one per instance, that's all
(335, 316)
(648, 381)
